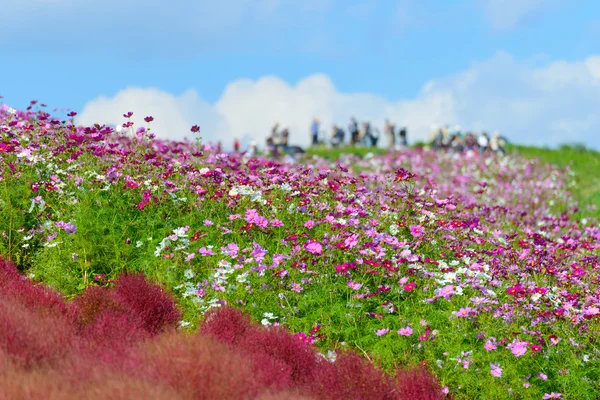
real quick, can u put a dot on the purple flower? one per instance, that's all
(496, 371)
(382, 332)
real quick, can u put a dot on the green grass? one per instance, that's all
(335, 153)
(585, 167)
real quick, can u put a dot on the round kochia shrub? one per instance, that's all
(121, 342)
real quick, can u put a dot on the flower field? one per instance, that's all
(472, 267)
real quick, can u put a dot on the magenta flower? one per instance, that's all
(276, 222)
(303, 337)
(309, 224)
(409, 286)
(406, 331)
(313, 247)
(416, 230)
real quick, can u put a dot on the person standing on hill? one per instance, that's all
(354, 132)
(389, 132)
(285, 136)
(275, 133)
(403, 140)
(236, 145)
(314, 130)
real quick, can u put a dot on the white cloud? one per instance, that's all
(506, 14)
(173, 115)
(548, 104)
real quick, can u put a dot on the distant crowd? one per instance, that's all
(458, 142)
(363, 134)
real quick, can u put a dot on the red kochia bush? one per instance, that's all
(229, 325)
(33, 337)
(156, 309)
(105, 322)
(279, 359)
(281, 346)
(417, 383)
(199, 367)
(351, 377)
(121, 343)
(16, 286)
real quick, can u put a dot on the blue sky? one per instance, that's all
(529, 68)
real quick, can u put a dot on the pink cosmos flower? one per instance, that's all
(276, 222)
(382, 332)
(416, 230)
(208, 222)
(552, 396)
(262, 222)
(406, 331)
(405, 253)
(205, 252)
(464, 312)
(518, 347)
(542, 376)
(309, 224)
(490, 344)
(231, 250)
(251, 216)
(409, 286)
(303, 337)
(296, 287)
(354, 285)
(446, 292)
(496, 370)
(313, 247)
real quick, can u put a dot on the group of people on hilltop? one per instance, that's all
(362, 134)
(457, 141)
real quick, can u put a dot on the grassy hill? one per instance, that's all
(473, 266)
(584, 165)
